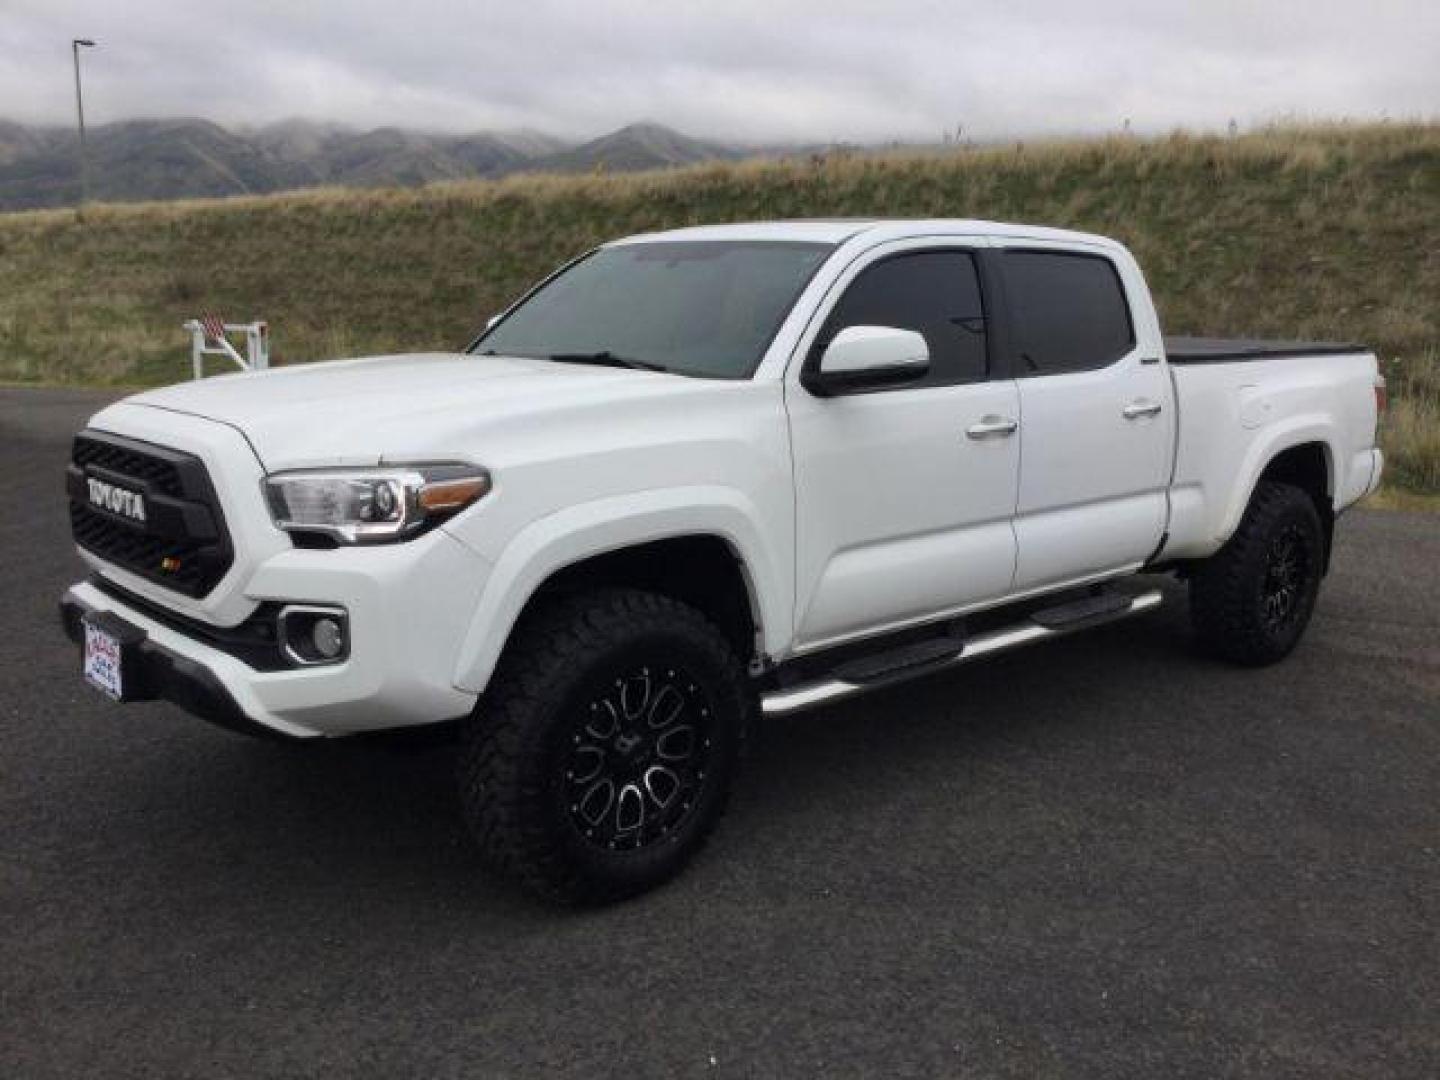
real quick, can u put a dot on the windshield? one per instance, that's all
(705, 308)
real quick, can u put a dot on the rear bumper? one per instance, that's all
(1377, 467)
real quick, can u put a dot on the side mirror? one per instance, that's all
(867, 357)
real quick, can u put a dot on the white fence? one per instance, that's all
(209, 337)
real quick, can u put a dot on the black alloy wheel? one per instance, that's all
(1287, 569)
(601, 756)
(639, 749)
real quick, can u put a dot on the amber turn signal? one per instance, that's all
(443, 496)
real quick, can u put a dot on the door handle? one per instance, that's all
(1136, 409)
(992, 425)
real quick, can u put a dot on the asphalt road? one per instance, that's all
(1103, 857)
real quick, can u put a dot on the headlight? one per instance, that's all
(372, 506)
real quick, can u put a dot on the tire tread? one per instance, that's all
(502, 737)
(1221, 600)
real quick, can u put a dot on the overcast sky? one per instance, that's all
(736, 69)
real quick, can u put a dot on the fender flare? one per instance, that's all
(1297, 431)
(588, 529)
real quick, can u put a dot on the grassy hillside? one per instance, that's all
(1329, 232)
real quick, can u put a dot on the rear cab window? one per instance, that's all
(1068, 310)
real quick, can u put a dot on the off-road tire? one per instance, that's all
(1233, 594)
(517, 753)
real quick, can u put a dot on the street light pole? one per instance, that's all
(75, 45)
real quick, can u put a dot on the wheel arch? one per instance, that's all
(709, 554)
(1311, 468)
(1307, 448)
(1306, 459)
(699, 569)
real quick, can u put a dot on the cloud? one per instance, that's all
(740, 69)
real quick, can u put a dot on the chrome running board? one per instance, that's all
(828, 690)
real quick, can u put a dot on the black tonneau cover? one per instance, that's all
(1204, 350)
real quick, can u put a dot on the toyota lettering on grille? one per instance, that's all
(117, 500)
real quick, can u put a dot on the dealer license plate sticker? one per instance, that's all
(102, 661)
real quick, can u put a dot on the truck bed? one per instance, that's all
(1205, 350)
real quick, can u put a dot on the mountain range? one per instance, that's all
(170, 159)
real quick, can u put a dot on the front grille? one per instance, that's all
(182, 544)
(126, 459)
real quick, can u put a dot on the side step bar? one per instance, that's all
(1042, 626)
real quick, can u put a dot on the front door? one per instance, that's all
(904, 496)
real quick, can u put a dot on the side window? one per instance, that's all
(1069, 310)
(936, 294)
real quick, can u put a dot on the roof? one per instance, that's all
(817, 230)
(839, 230)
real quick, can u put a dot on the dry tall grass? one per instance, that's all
(1327, 232)
(1411, 429)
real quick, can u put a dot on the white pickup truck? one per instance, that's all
(695, 477)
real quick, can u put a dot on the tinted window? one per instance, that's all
(704, 308)
(935, 293)
(1069, 310)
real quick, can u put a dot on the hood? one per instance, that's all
(353, 412)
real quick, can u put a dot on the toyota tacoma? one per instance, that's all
(698, 477)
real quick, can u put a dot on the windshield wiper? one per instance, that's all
(606, 358)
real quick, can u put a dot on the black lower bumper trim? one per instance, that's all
(154, 672)
(254, 642)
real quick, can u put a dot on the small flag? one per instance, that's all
(214, 327)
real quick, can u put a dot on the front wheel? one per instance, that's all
(1251, 601)
(601, 757)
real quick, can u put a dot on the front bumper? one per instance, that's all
(409, 606)
(159, 673)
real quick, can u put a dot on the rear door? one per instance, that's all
(1096, 414)
(900, 514)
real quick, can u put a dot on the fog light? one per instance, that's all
(328, 638)
(313, 634)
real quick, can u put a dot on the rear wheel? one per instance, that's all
(1251, 601)
(602, 756)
